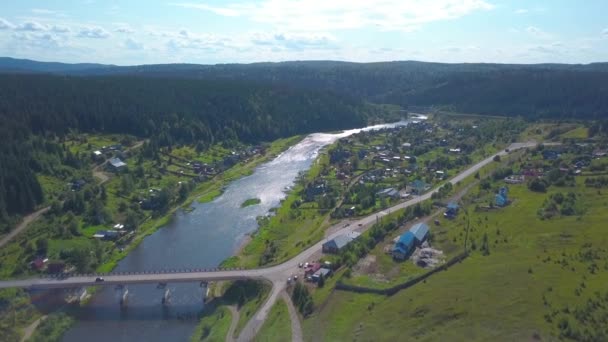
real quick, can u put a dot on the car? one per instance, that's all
(98, 279)
(295, 277)
(300, 265)
(305, 265)
(289, 280)
(360, 224)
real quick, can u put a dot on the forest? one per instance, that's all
(532, 91)
(38, 110)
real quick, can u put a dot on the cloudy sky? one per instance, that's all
(221, 31)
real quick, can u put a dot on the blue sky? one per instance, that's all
(226, 31)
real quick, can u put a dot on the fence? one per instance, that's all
(392, 290)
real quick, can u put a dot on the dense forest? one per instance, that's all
(168, 111)
(539, 90)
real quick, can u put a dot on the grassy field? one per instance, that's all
(533, 284)
(213, 327)
(277, 326)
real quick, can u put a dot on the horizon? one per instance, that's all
(256, 31)
(297, 61)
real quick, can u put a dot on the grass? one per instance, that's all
(52, 328)
(250, 202)
(278, 324)
(577, 133)
(213, 327)
(534, 269)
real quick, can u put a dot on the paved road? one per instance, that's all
(276, 274)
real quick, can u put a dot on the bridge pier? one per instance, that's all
(166, 297)
(124, 298)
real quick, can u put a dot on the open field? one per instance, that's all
(534, 271)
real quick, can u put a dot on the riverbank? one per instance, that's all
(207, 191)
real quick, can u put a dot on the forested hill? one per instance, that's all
(169, 111)
(539, 90)
(543, 90)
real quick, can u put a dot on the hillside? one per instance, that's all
(36, 109)
(536, 90)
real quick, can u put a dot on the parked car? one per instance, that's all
(98, 279)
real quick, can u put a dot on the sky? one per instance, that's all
(128, 32)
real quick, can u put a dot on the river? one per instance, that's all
(201, 238)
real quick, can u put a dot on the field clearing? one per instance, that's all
(535, 268)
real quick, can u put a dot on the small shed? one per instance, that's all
(388, 192)
(420, 232)
(116, 164)
(325, 272)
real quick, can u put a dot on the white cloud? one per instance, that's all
(291, 41)
(94, 32)
(60, 29)
(605, 32)
(324, 15)
(124, 29)
(538, 33)
(31, 26)
(132, 44)
(38, 40)
(5, 25)
(522, 11)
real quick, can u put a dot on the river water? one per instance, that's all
(201, 238)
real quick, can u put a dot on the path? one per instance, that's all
(296, 328)
(29, 330)
(21, 226)
(235, 320)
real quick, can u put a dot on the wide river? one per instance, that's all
(204, 237)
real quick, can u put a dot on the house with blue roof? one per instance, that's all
(502, 198)
(451, 210)
(419, 187)
(404, 246)
(420, 231)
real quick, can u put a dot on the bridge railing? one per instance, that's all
(144, 272)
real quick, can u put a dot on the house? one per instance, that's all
(97, 155)
(420, 231)
(455, 150)
(116, 164)
(106, 235)
(404, 246)
(419, 187)
(322, 272)
(78, 184)
(388, 192)
(39, 263)
(452, 210)
(515, 179)
(312, 268)
(56, 267)
(407, 145)
(334, 245)
(550, 154)
(350, 211)
(502, 198)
